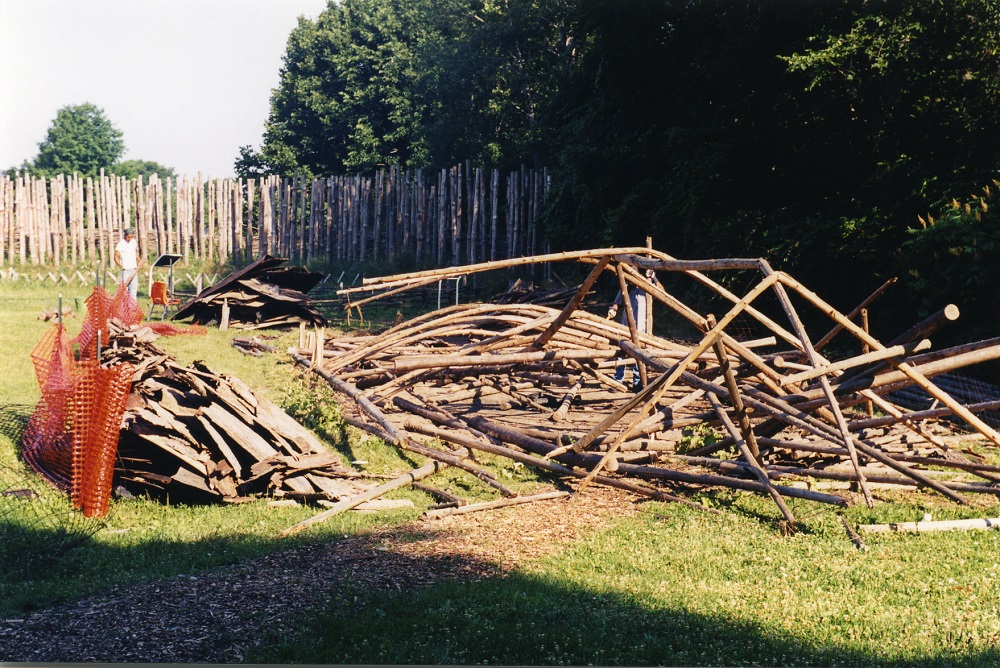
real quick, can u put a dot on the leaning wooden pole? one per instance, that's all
(903, 367)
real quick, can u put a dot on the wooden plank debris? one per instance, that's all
(262, 294)
(194, 435)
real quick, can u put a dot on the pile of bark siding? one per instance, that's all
(195, 435)
(262, 294)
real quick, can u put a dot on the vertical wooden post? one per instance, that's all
(649, 298)
(199, 218)
(4, 215)
(474, 220)
(263, 216)
(331, 208)
(168, 217)
(390, 214)
(420, 199)
(300, 232)
(511, 232)
(89, 243)
(494, 210)
(865, 348)
(406, 213)
(453, 212)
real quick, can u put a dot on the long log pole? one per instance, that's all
(826, 338)
(503, 264)
(438, 513)
(544, 464)
(791, 415)
(750, 458)
(816, 361)
(654, 391)
(412, 362)
(735, 398)
(572, 306)
(859, 360)
(343, 505)
(907, 369)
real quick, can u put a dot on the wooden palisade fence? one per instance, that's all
(464, 214)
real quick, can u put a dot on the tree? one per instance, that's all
(250, 164)
(134, 168)
(346, 96)
(489, 82)
(81, 139)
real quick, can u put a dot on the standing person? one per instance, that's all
(127, 259)
(637, 300)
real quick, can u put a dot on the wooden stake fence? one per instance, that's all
(462, 215)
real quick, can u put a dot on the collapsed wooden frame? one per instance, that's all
(454, 376)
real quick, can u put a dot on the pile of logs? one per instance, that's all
(194, 435)
(262, 294)
(527, 293)
(780, 416)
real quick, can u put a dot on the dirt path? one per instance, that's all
(217, 616)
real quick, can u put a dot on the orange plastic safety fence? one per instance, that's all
(124, 308)
(72, 437)
(45, 446)
(170, 329)
(94, 322)
(99, 396)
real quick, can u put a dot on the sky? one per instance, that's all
(188, 82)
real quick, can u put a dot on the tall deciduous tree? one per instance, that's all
(81, 139)
(347, 97)
(489, 84)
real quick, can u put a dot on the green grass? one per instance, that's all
(679, 587)
(671, 586)
(145, 539)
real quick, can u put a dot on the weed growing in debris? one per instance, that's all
(698, 436)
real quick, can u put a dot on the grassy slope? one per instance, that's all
(673, 586)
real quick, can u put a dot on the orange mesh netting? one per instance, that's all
(44, 445)
(170, 329)
(72, 436)
(99, 396)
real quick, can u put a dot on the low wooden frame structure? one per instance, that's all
(535, 384)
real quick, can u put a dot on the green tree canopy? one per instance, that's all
(810, 133)
(133, 168)
(346, 100)
(81, 139)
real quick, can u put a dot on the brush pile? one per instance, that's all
(776, 414)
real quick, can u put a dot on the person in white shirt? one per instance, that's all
(127, 259)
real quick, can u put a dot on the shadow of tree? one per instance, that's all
(522, 619)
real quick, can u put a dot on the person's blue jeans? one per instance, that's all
(133, 286)
(620, 374)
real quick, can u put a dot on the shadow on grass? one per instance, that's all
(519, 619)
(366, 599)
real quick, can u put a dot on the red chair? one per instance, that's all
(158, 295)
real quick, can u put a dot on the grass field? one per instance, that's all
(669, 586)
